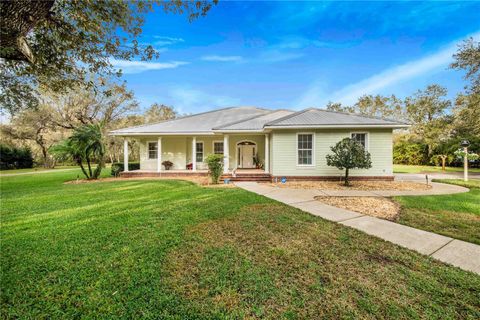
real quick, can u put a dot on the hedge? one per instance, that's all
(118, 167)
(15, 158)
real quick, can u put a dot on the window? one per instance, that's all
(199, 152)
(218, 147)
(305, 149)
(152, 150)
(360, 138)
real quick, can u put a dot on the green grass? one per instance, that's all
(454, 215)
(174, 250)
(400, 168)
(36, 169)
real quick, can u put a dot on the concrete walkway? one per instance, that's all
(459, 253)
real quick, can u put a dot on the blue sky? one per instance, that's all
(300, 54)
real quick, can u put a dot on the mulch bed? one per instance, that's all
(384, 208)
(200, 180)
(355, 185)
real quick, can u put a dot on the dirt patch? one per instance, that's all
(355, 185)
(373, 206)
(200, 180)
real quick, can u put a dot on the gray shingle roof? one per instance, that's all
(201, 122)
(254, 123)
(321, 117)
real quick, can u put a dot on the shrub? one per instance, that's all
(167, 164)
(15, 158)
(349, 154)
(410, 153)
(215, 166)
(118, 167)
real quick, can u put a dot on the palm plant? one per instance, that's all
(85, 144)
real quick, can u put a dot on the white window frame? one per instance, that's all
(203, 152)
(213, 147)
(148, 150)
(313, 149)
(367, 138)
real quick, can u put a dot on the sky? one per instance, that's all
(295, 55)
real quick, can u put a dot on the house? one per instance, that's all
(261, 144)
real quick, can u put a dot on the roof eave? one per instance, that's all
(338, 126)
(185, 133)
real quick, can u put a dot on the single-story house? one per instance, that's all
(260, 143)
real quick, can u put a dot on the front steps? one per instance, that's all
(239, 176)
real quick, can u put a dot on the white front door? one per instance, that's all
(245, 156)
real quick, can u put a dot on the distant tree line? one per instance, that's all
(437, 123)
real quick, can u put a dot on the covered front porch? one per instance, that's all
(180, 155)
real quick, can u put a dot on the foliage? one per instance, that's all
(259, 164)
(182, 251)
(118, 167)
(215, 166)
(468, 58)
(60, 44)
(460, 154)
(373, 106)
(85, 144)
(159, 112)
(15, 158)
(466, 113)
(349, 154)
(167, 164)
(408, 152)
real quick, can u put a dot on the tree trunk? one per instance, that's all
(89, 167)
(347, 182)
(444, 159)
(18, 18)
(83, 169)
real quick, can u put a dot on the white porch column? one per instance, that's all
(125, 154)
(267, 154)
(159, 154)
(194, 154)
(226, 154)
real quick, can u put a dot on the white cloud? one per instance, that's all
(193, 101)
(222, 58)
(316, 95)
(129, 67)
(165, 41)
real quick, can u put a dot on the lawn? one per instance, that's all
(36, 169)
(400, 168)
(455, 215)
(172, 249)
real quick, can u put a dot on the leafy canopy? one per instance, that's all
(349, 154)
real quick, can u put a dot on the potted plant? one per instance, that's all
(167, 164)
(257, 162)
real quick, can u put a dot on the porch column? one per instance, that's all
(194, 154)
(159, 154)
(267, 154)
(125, 154)
(226, 155)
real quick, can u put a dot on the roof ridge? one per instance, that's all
(186, 116)
(287, 116)
(359, 115)
(243, 120)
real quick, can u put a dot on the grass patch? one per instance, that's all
(454, 215)
(401, 168)
(173, 249)
(36, 169)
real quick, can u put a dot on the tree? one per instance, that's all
(159, 112)
(466, 113)
(468, 58)
(349, 154)
(337, 106)
(426, 111)
(85, 144)
(36, 126)
(380, 106)
(58, 43)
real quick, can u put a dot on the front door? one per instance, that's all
(245, 156)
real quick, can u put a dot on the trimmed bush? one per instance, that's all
(118, 167)
(215, 165)
(15, 158)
